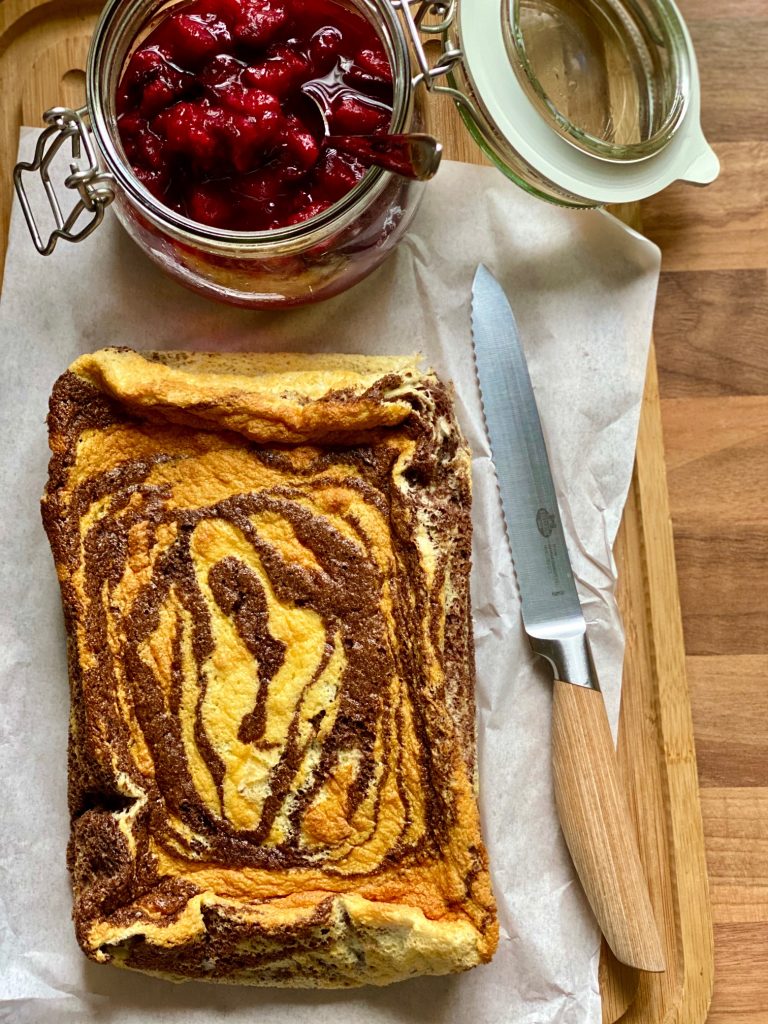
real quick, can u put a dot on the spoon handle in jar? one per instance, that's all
(411, 156)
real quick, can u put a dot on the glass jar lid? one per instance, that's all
(614, 78)
(599, 99)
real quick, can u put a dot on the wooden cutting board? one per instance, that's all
(43, 46)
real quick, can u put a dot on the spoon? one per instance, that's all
(411, 155)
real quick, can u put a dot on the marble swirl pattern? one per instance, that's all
(264, 569)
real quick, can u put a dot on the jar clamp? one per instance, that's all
(93, 185)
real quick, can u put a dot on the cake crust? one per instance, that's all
(264, 566)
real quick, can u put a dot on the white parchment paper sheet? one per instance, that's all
(583, 289)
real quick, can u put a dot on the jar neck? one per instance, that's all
(122, 23)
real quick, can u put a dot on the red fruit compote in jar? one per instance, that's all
(214, 122)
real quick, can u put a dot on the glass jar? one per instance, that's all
(305, 262)
(581, 102)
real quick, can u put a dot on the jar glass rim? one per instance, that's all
(120, 23)
(665, 33)
(522, 142)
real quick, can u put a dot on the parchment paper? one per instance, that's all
(583, 290)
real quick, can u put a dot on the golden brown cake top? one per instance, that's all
(264, 565)
(283, 398)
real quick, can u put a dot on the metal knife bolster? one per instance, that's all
(565, 645)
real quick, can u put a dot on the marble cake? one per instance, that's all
(264, 569)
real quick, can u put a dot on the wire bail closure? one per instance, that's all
(93, 185)
(415, 25)
(434, 19)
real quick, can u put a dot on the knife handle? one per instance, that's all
(597, 827)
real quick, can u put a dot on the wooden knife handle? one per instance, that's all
(598, 830)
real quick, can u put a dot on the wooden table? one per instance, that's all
(712, 347)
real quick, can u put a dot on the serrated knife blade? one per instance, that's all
(552, 614)
(591, 805)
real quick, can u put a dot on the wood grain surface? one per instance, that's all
(711, 334)
(711, 338)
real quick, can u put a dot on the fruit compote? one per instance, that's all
(215, 123)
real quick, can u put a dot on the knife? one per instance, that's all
(590, 802)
